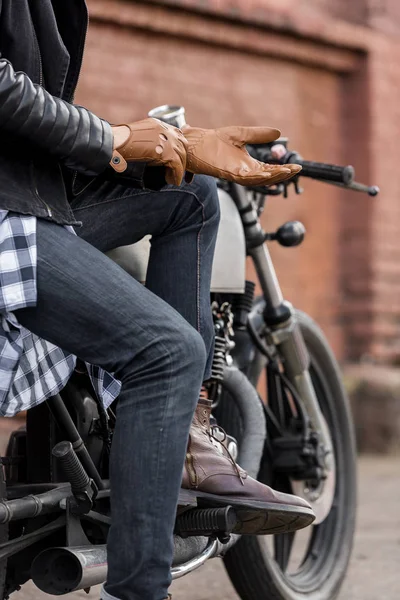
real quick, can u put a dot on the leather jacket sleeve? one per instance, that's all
(72, 134)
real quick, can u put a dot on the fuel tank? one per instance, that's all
(228, 275)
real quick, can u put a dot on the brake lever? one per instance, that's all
(275, 190)
(296, 184)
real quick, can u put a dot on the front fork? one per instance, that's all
(285, 332)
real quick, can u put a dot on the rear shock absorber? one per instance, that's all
(222, 316)
(223, 344)
(219, 360)
(242, 305)
(217, 369)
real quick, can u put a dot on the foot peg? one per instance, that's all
(207, 521)
(83, 488)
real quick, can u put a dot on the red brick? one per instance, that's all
(327, 73)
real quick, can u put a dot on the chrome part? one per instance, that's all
(283, 333)
(62, 570)
(289, 338)
(192, 565)
(267, 276)
(169, 113)
(233, 449)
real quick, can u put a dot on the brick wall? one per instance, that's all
(385, 120)
(324, 72)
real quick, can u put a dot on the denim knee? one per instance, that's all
(206, 190)
(187, 349)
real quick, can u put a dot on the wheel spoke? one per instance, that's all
(283, 545)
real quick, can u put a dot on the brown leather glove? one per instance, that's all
(155, 143)
(222, 153)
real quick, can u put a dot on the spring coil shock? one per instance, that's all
(219, 361)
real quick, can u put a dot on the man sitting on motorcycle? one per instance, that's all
(62, 167)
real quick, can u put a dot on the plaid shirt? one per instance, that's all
(31, 369)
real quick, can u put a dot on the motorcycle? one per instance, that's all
(296, 434)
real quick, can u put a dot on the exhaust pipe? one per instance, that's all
(60, 571)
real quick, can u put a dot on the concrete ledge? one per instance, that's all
(295, 17)
(239, 35)
(375, 399)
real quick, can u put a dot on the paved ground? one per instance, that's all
(375, 569)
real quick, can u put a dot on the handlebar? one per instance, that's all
(278, 154)
(323, 171)
(371, 190)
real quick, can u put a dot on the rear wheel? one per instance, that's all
(310, 564)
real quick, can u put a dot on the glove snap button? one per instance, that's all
(116, 160)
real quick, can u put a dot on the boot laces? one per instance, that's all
(217, 442)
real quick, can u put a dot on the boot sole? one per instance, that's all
(259, 518)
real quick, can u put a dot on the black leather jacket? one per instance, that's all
(42, 134)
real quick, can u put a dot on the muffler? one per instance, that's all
(60, 571)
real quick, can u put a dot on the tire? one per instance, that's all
(253, 571)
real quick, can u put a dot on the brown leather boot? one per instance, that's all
(217, 480)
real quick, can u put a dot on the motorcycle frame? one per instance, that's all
(42, 498)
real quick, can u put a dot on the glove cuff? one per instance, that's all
(117, 162)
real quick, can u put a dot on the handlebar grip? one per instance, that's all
(314, 170)
(326, 172)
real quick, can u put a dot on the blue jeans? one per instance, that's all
(89, 306)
